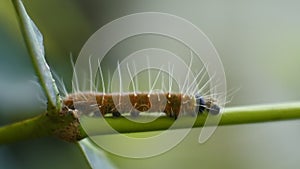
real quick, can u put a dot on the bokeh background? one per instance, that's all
(258, 42)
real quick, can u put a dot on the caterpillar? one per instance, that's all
(172, 104)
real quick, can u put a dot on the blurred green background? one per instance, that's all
(258, 42)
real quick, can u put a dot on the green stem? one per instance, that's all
(43, 125)
(23, 130)
(230, 116)
(34, 42)
(261, 113)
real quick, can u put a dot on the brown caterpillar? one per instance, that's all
(172, 104)
(185, 102)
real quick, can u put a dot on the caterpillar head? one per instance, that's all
(208, 105)
(201, 104)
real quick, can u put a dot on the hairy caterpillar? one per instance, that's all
(186, 102)
(169, 103)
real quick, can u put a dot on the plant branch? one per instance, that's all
(44, 125)
(34, 42)
(230, 116)
(64, 126)
(27, 129)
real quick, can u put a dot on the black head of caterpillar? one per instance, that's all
(172, 104)
(206, 105)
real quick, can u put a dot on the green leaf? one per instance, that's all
(34, 42)
(94, 155)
